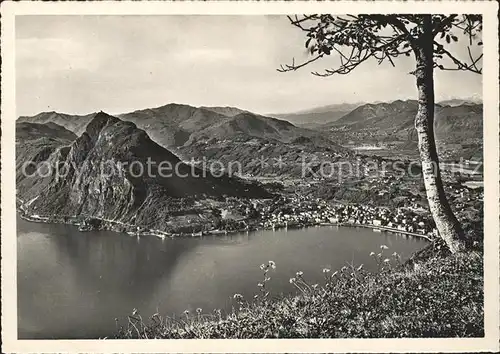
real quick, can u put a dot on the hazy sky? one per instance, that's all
(83, 64)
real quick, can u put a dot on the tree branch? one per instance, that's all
(460, 65)
(442, 24)
(402, 28)
(293, 67)
(298, 22)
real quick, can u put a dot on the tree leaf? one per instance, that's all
(455, 39)
(447, 38)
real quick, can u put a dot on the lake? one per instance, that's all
(72, 285)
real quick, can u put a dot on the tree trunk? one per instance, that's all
(447, 224)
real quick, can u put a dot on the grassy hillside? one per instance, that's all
(435, 294)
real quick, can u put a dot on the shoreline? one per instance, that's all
(389, 229)
(109, 224)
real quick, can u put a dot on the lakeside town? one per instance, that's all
(383, 200)
(292, 209)
(279, 214)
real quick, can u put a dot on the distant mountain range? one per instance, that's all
(350, 106)
(174, 125)
(316, 116)
(26, 131)
(74, 123)
(224, 134)
(460, 101)
(179, 126)
(319, 116)
(169, 125)
(251, 125)
(397, 111)
(395, 120)
(226, 111)
(36, 142)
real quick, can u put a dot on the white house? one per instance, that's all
(377, 222)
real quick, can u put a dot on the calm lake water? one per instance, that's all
(73, 284)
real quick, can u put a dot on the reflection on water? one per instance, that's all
(73, 284)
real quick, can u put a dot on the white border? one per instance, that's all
(491, 146)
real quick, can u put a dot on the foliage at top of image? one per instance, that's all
(384, 37)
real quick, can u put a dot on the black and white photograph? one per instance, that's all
(314, 175)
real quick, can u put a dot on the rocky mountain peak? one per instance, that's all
(99, 121)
